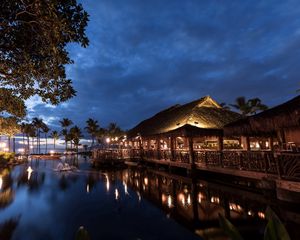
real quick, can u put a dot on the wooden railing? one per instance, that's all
(286, 165)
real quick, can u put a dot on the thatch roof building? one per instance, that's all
(269, 122)
(203, 116)
(281, 122)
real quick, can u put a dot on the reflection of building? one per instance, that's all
(197, 204)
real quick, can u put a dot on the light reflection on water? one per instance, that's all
(123, 204)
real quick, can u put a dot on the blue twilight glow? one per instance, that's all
(147, 55)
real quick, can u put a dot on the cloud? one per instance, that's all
(145, 56)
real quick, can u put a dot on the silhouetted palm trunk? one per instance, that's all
(28, 143)
(8, 142)
(14, 144)
(46, 143)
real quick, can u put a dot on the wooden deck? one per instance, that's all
(281, 167)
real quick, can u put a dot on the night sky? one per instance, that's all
(145, 56)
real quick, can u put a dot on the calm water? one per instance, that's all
(125, 204)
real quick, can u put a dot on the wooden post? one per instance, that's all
(271, 143)
(281, 138)
(191, 151)
(172, 148)
(220, 149)
(220, 143)
(158, 148)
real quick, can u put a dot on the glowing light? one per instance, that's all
(116, 194)
(250, 213)
(181, 198)
(29, 171)
(235, 207)
(139, 196)
(5, 149)
(200, 197)
(125, 188)
(146, 181)
(267, 144)
(189, 199)
(107, 140)
(137, 183)
(21, 150)
(169, 201)
(163, 198)
(261, 215)
(1, 182)
(215, 200)
(31, 147)
(257, 145)
(51, 152)
(2, 144)
(87, 188)
(107, 183)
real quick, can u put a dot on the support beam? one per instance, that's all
(172, 148)
(191, 151)
(271, 143)
(246, 143)
(220, 143)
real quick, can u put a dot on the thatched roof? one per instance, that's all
(204, 113)
(286, 115)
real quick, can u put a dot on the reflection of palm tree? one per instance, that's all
(92, 128)
(55, 136)
(8, 227)
(65, 123)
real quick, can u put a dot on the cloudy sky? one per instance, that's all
(145, 56)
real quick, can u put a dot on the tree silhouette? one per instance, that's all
(92, 128)
(65, 123)
(248, 107)
(55, 136)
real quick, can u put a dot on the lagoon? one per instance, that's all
(132, 203)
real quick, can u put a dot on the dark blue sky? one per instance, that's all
(147, 55)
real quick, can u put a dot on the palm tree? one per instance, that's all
(75, 135)
(38, 124)
(101, 134)
(29, 131)
(23, 131)
(256, 105)
(65, 123)
(114, 130)
(242, 105)
(92, 128)
(55, 136)
(46, 129)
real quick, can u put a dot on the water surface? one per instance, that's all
(128, 204)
